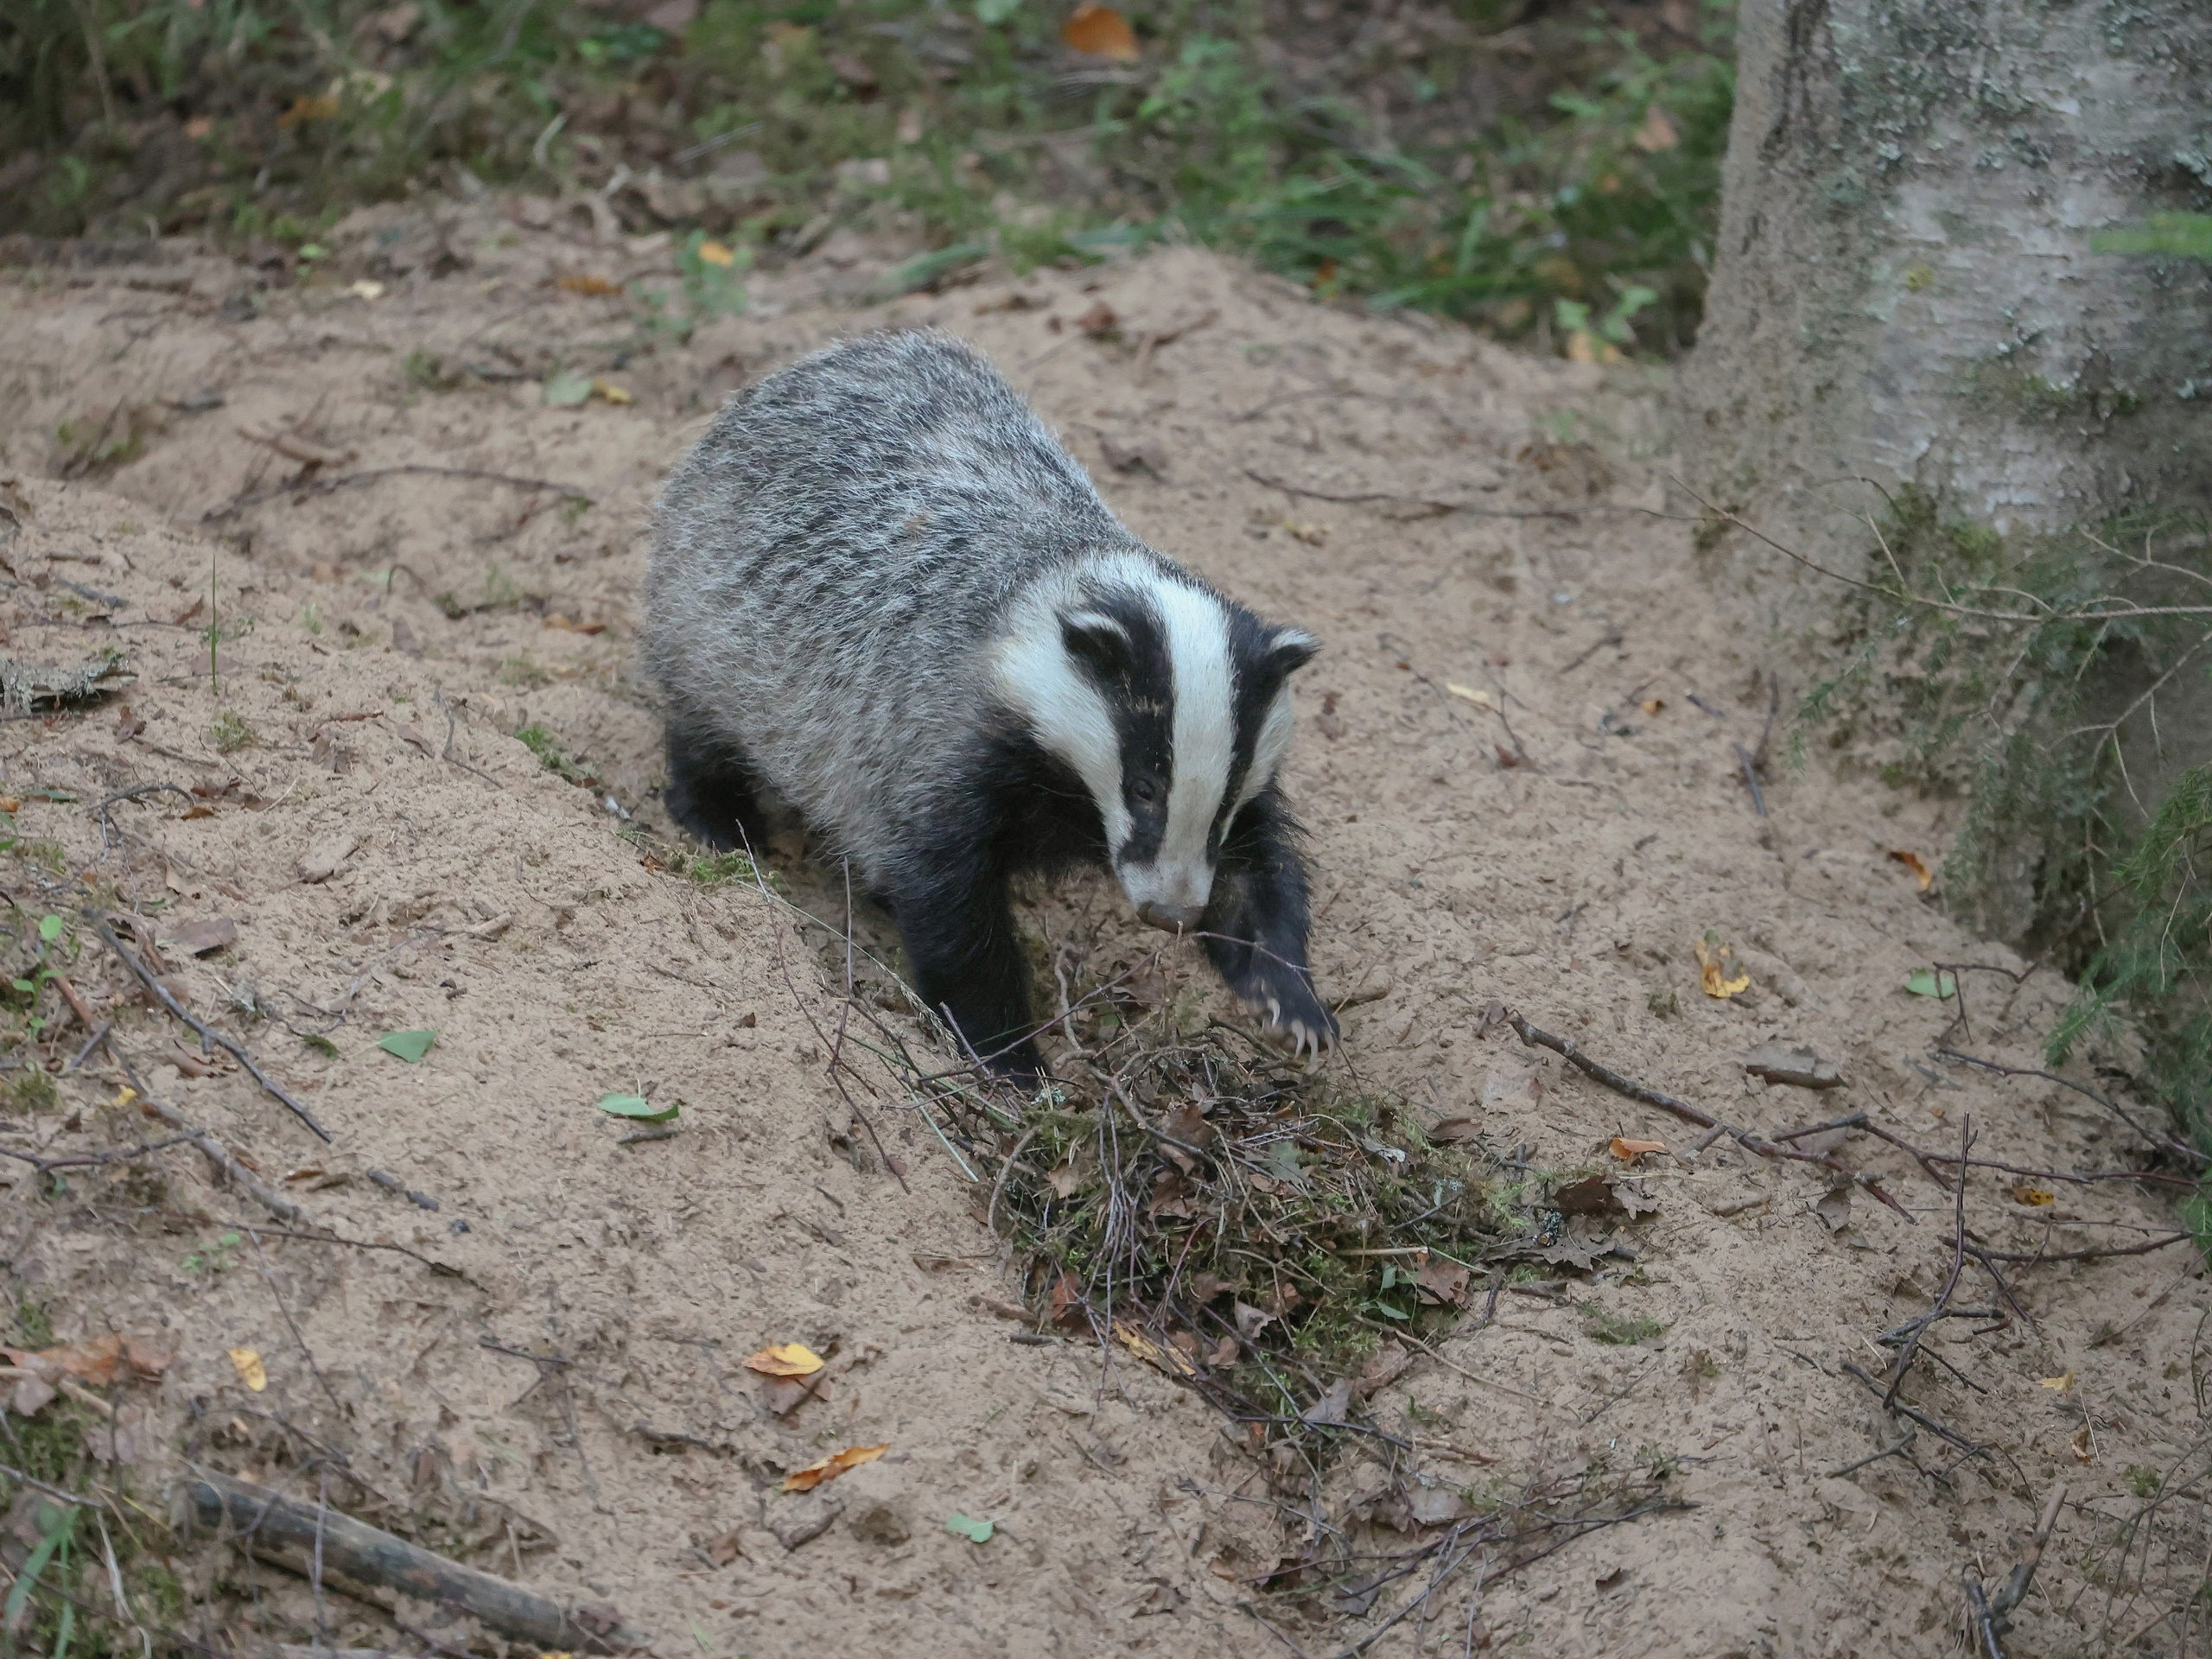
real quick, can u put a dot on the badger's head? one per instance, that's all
(1172, 704)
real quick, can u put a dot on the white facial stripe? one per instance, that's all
(1269, 748)
(1204, 730)
(1064, 710)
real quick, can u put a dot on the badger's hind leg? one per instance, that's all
(712, 791)
(1256, 923)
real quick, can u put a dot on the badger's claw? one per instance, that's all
(1309, 1035)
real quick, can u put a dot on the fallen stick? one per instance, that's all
(207, 1032)
(226, 1166)
(361, 1560)
(1535, 1037)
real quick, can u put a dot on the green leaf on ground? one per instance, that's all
(1927, 982)
(566, 389)
(975, 1532)
(409, 1046)
(638, 1107)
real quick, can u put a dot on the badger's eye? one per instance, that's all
(1146, 790)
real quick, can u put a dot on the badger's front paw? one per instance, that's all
(1291, 1016)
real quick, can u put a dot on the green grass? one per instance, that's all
(229, 732)
(1562, 180)
(2016, 672)
(1618, 1329)
(552, 756)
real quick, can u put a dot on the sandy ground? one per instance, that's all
(1517, 758)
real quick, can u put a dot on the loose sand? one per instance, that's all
(1485, 543)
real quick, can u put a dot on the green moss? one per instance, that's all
(229, 732)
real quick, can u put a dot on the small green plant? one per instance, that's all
(552, 756)
(311, 617)
(2143, 1479)
(213, 1259)
(524, 671)
(715, 870)
(229, 732)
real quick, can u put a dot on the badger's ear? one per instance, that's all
(1288, 650)
(1097, 641)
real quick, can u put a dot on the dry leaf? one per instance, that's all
(1384, 1366)
(1101, 31)
(1332, 1409)
(717, 253)
(1441, 1283)
(1592, 1195)
(99, 1362)
(785, 1359)
(2057, 1385)
(1450, 1129)
(1793, 1064)
(1480, 699)
(2081, 1445)
(721, 1551)
(1653, 705)
(597, 287)
(611, 392)
(251, 1369)
(1098, 321)
(1311, 535)
(1629, 1151)
(1658, 132)
(1715, 960)
(2035, 1195)
(828, 1468)
(784, 1395)
(1921, 873)
(1172, 1360)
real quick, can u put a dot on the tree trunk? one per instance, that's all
(1905, 288)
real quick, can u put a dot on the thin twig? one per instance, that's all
(207, 1032)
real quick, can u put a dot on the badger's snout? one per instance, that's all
(1176, 918)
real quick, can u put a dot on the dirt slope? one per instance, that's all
(1518, 760)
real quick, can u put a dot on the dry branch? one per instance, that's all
(207, 1032)
(364, 1561)
(1535, 1037)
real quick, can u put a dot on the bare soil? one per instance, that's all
(1519, 762)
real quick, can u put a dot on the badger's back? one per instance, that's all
(831, 561)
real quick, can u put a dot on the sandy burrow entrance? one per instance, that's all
(1518, 762)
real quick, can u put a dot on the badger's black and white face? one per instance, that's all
(1171, 705)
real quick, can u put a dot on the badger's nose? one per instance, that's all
(1176, 918)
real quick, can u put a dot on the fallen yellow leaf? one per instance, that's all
(2057, 1385)
(1653, 705)
(1174, 1361)
(785, 1359)
(1101, 31)
(1582, 346)
(611, 392)
(2036, 1195)
(2080, 1443)
(125, 1095)
(1714, 959)
(251, 1369)
(596, 287)
(1628, 1151)
(1480, 699)
(714, 253)
(308, 108)
(1921, 873)
(828, 1468)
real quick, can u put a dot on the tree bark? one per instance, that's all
(1904, 287)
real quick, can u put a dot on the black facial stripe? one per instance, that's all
(1253, 685)
(1142, 701)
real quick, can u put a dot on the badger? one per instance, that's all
(881, 593)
